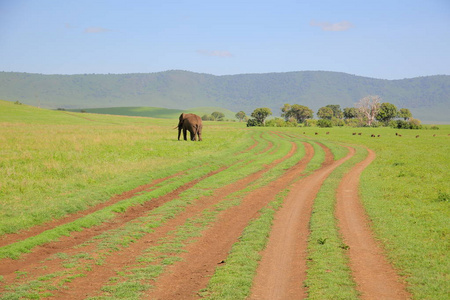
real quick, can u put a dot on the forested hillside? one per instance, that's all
(427, 97)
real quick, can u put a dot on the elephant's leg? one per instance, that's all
(195, 132)
(199, 132)
(185, 134)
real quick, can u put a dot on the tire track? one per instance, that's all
(374, 275)
(32, 262)
(80, 237)
(126, 257)
(282, 269)
(11, 238)
(184, 279)
(8, 239)
(76, 238)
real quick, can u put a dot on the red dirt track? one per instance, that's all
(375, 277)
(283, 266)
(282, 269)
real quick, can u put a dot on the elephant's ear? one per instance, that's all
(181, 116)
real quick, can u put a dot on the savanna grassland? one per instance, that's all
(106, 207)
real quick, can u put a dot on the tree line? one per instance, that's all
(369, 111)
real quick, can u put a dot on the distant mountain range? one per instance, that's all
(428, 98)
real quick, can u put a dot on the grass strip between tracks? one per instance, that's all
(120, 238)
(328, 273)
(234, 279)
(213, 163)
(130, 283)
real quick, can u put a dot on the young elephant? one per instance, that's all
(190, 122)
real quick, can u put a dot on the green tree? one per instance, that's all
(260, 114)
(218, 116)
(241, 116)
(350, 113)
(337, 111)
(285, 111)
(404, 113)
(387, 112)
(207, 117)
(325, 113)
(300, 113)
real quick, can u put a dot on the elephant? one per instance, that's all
(190, 122)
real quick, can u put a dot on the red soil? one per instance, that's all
(374, 275)
(183, 280)
(282, 268)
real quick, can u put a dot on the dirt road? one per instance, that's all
(80, 265)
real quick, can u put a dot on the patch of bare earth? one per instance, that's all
(79, 288)
(15, 237)
(100, 275)
(32, 262)
(282, 269)
(184, 279)
(374, 275)
(9, 266)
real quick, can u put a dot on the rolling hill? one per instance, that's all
(427, 97)
(157, 112)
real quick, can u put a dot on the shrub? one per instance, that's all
(414, 123)
(353, 122)
(434, 127)
(337, 122)
(324, 123)
(411, 124)
(291, 123)
(253, 122)
(310, 122)
(278, 122)
(218, 116)
(376, 124)
(208, 118)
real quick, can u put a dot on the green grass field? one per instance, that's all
(54, 163)
(156, 112)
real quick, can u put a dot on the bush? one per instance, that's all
(292, 123)
(218, 116)
(376, 124)
(253, 122)
(414, 123)
(208, 118)
(337, 122)
(353, 122)
(434, 127)
(324, 123)
(411, 124)
(310, 122)
(278, 122)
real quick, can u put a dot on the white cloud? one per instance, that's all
(326, 26)
(96, 30)
(216, 53)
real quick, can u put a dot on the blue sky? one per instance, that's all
(380, 39)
